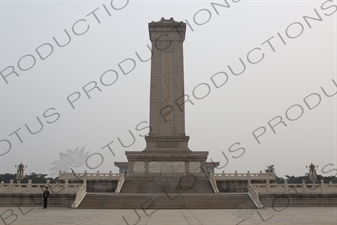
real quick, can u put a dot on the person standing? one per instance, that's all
(45, 198)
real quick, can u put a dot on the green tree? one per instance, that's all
(7, 177)
(270, 169)
(298, 179)
(36, 178)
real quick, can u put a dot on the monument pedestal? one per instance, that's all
(166, 155)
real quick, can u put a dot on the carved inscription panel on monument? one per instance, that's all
(167, 167)
(167, 84)
(166, 144)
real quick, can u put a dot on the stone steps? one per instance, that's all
(167, 201)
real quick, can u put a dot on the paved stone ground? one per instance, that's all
(66, 216)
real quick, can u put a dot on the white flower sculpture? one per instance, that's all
(69, 160)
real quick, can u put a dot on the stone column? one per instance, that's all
(167, 110)
(167, 144)
(167, 78)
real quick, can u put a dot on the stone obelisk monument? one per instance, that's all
(167, 144)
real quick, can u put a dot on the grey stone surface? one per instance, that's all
(35, 200)
(139, 167)
(194, 167)
(167, 78)
(167, 167)
(66, 216)
(167, 143)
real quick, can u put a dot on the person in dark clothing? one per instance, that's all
(45, 198)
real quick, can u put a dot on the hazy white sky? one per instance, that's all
(298, 59)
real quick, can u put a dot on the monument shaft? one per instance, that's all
(167, 111)
(167, 78)
(167, 144)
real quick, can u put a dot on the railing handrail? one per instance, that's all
(244, 176)
(254, 196)
(214, 185)
(85, 175)
(80, 195)
(36, 188)
(318, 188)
(120, 183)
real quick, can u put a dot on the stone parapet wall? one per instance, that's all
(244, 176)
(308, 188)
(38, 188)
(35, 200)
(88, 176)
(281, 201)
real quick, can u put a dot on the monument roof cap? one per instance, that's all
(166, 21)
(167, 30)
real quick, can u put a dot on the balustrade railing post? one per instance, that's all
(29, 186)
(322, 186)
(2, 189)
(85, 183)
(286, 186)
(10, 186)
(2, 184)
(267, 186)
(303, 186)
(66, 183)
(236, 175)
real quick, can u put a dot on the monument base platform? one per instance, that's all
(166, 160)
(167, 183)
(150, 202)
(164, 163)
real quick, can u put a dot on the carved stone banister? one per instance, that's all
(213, 183)
(88, 176)
(120, 183)
(254, 196)
(244, 176)
(80, 195)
